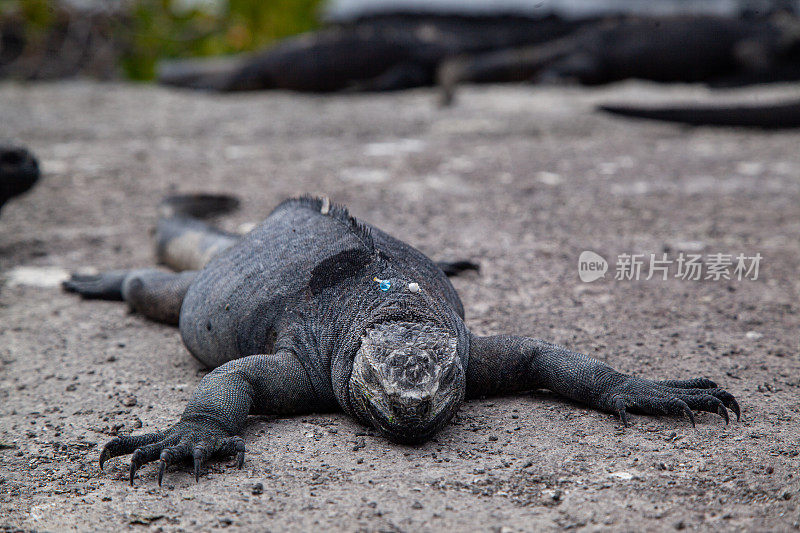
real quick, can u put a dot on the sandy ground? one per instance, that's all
(520, 179)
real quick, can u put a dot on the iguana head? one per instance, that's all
(407, 379)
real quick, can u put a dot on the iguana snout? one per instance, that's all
(407, 379)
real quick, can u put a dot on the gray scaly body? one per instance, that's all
(315, 311)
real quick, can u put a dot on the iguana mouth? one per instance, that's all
(407, 433)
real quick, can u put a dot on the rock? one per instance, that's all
(625, 476)
(143, 519)
(129, 401)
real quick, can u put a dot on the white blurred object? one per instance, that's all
(42, 277)
(344, 10)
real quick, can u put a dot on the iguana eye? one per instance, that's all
(370, 376)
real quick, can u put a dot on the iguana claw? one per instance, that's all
(688, 412)
(180, 443)
(162, 466)
(197, 462)
(673, 397)
(619, 405)
(724, 414)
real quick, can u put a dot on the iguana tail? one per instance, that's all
(775, 116)
(199, 205)
(204, 74)
(184, 241)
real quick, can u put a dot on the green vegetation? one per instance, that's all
(164, 28)
(155, 29)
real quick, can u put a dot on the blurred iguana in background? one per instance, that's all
(382, 45)
(348, 44)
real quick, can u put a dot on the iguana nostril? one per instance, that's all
(423, 408)
(412, 412)
(411, 407)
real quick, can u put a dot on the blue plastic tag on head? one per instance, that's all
(384, 285)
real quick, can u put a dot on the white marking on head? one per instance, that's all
(413, 287)
(326, 205)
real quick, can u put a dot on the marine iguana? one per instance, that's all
(707, 49)
(776, 116)
(315, 311)
(387, 48)
(19, 171)
(376, 53)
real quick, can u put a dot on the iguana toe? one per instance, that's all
(710, 404)
(680, 407)
(233, 445)
(149, 453)
(126, 444)
(723, 413)
(727, 399)
(106, 286)
(172, 455)
(696, 383)
(200, 454)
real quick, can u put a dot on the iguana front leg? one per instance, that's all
(506, 364)
(258, 384)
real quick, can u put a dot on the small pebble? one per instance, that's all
(129, 401)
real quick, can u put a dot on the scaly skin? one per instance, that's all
(315, 311)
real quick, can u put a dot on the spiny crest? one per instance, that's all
(335, 211)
